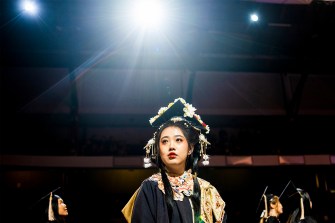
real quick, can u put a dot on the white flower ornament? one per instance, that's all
(188, 111)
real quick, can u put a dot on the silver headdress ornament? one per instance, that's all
(150, 152)
(203, 144)
(177, 111)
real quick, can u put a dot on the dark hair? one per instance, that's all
(306, 202)
(192, 137)
(295, 216)
(271, 199)
(54, 206)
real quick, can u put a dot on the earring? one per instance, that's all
(149, 148)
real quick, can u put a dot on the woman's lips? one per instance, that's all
(172, 155)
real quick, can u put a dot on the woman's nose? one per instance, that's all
(171, 146)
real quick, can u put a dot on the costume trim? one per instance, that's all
(127, 211)
(182, 185)
(212, 205)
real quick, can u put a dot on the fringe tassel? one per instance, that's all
(203, 147)
(150, 152)
(51, 216)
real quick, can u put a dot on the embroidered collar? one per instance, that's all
(181, 186)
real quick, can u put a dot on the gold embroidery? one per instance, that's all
(212, 204)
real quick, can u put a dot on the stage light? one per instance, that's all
(29, 7)
(254, 17)
(149, 14)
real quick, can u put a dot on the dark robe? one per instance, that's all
(272, 219)
(148, 204)
(151, 206)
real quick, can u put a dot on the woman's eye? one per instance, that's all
(179, 140)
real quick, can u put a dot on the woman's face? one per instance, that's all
(174, 149)
(279, 208)
(62, 209)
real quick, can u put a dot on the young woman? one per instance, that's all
(304, 213)
(176, 194)
(273, 208)
(57, 210)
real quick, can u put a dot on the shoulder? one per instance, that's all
(208, 190)
(155, 177)
(272, 219)
(204, 183)
(150, 183)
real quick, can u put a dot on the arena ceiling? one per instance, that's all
(78, 61)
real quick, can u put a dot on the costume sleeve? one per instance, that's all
(212, 205)
(218, 205)
(145, 208)
(128, 208)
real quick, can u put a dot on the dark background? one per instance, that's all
(98, 195)
(77, 81)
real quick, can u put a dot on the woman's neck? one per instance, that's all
(273, 213)
(175, 173)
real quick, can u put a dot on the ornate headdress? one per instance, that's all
(177, 111)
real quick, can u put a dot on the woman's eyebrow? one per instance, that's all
(172, 136)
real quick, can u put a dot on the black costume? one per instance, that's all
(272, 219)
(148, 203)
(186, 198)
(304, 213)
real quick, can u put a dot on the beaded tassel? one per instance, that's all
(149, 153)
(203, 144)
(51, 216)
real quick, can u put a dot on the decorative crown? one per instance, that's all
(179, 108)
(177, 111)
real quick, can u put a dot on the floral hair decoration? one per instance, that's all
(177, 111)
